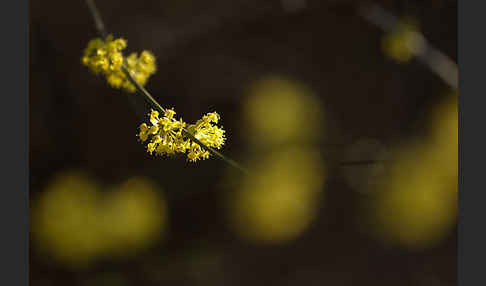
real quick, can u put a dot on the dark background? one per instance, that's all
(208, 52)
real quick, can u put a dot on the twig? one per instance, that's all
(102, 31)
(97, 18)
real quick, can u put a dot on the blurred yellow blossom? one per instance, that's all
(418, 204)
(65, 219)
(280, 200)
(105, 56)
(135, 215)
(419, 207)
(278, 111)
(75, 223)
(404, 43)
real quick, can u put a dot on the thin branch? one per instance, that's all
(142, 89)
(101, 30)
(100, 26)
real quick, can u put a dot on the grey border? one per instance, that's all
(14, 202)
(14, 117)
(472, 49)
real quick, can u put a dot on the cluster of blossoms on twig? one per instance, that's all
(105, 56)
(167, 136)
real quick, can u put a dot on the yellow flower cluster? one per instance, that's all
(105, 56)
(166, 137)
(209, 134)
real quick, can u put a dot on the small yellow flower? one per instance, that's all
(154, 129)
(143, 135)
(151, 147)
(166, 134)
(154, 117)
(169, 113)
(209, 134)
(197, 153)
(192, 156)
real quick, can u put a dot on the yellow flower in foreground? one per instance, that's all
(65, 219)
(279, 202)
(167, 138)
(105, 56)
(136, 214)
(275, 106)
(417, 207)
(76, 223)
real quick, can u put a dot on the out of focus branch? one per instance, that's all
(435, 60)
